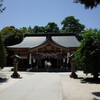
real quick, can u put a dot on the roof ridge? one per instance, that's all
(50, 34)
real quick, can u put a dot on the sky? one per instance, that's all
(25, 13)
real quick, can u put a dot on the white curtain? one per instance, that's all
(34, 60)
(63, 60)
(30, 57)
(68, 55)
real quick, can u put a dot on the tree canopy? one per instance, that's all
(39, 29)
(2, 53)
(26, 30)
(70, 24)
(11, 35)
(88, 3)
(52, 27)
(88, 55)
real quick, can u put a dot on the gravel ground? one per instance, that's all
(7, 81)
(72, 89)
(79, 89)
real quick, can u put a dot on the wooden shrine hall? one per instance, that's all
(36, 49)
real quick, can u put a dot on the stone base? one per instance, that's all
(73, 75)
(15, 75)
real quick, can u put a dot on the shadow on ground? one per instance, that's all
(17, 77)
(96, 94)
(89, 80)
(2, 80)
(95, 99)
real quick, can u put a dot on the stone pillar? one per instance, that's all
(15, 73)
(73, 74)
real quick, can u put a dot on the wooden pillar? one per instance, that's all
(73, 74)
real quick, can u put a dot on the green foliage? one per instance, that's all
(70, 24)
(26, 30)
(2, 53)
(30, 30)
(52, 27)
(39, 29)
(88, 3)
(88, 55)
(11, 35)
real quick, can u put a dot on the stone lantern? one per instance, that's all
(72, 61)
(15, 69)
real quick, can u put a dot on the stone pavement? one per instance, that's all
(39, 86)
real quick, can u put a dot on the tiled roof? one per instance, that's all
(29, 42)
(34, 41)
(66, 41)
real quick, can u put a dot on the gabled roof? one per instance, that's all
(64, 40)
(29, 42)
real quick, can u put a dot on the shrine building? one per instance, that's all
(35, 49)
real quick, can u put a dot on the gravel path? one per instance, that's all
(37, 86)
(77, 89)
(61, 86)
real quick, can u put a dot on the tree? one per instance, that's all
(2, 53)
(26, 30)
(39, 29)
(30, 30)
(11, 35)
(88, 3)
(1, 6)
(88, 55)
(70, 24)
(52, 27)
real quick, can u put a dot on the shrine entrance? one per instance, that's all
(53, 62)
(49, 52)
(54, 48)
(57, 60)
